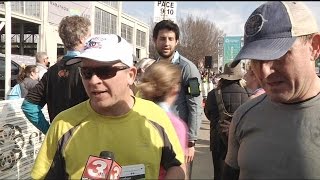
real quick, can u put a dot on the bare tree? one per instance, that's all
(152, 50)
(198, 38)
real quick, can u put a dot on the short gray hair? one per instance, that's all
(40, 56)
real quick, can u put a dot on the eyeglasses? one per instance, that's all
(104, 72)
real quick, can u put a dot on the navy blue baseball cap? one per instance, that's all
(272, 28)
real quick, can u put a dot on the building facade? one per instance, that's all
(35, 25)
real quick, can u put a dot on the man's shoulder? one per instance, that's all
(212, 92)
(74, 114)
(146, 105)
(56, 66)
(184, 60)
(189, 69)
(234, 87)
(247, 106)
(41, 66)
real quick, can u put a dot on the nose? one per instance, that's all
(166, 41)
(267, 68)
(262, 68)
(94, 79)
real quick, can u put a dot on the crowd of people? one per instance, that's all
(263, 121)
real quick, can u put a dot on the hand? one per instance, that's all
(225, 126)
(190, 154)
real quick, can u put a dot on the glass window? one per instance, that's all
(141, 38)
(111, 3)
(32, 8)
(105, 22)
(17, 6)
(29, 8)
(126, 32)
(97, 25)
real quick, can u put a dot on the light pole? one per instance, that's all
(220, 53)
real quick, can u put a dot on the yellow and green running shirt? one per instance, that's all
(144, 135)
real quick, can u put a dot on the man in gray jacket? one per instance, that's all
(188, 105)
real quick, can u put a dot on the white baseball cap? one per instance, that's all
(106, 48)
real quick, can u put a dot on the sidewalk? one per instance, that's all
(202, 164)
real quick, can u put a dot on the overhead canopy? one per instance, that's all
(29, 27)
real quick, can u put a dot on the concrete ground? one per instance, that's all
(202, 164)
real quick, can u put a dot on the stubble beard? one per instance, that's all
(165, 56)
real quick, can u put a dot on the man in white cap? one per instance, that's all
(137, 131)
(276, 135)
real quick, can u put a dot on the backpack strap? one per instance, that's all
(220, 102)
(249, 94)
(224, 115)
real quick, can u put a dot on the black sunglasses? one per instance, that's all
(104, 72)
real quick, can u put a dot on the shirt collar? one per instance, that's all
(257, 90)
(42, 65)
(73, 53)
(175, 58)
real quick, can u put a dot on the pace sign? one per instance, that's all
(165, 10)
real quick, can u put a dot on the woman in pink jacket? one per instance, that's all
(160, 83)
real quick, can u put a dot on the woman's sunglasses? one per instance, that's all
(104, 72)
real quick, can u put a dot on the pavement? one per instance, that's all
(202, 163)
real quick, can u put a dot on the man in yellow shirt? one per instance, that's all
(137, 131)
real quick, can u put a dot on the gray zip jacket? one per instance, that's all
(188, 108)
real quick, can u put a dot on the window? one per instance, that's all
(29, 8)
(137, 53)
(32, 8)
(105, 23)
(111, 3)
(141, 38)
(17, 6)
(126, 32)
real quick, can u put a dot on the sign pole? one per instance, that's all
(7, 85)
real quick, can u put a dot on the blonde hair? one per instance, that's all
(144, 63)
(158, 80)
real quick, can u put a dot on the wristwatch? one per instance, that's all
(191, 143)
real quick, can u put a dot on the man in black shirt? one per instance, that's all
(61, 87)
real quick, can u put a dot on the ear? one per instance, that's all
(132, 75)
(33, 74)
(83, 40)
(315, 46)
(176, 88)
(177, 42)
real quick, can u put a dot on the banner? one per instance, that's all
(19, 141)
(231, 48)
(60, 9)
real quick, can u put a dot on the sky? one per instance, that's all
(228, 16)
